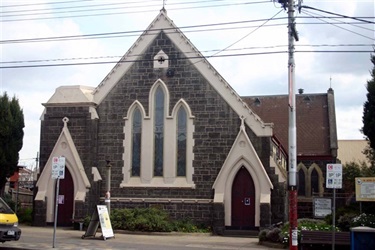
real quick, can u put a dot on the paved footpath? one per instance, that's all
(66, 238)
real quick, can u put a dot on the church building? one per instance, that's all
(172, 132)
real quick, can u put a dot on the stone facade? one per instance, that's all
(101, 140)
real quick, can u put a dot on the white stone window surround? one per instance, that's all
(146, 178)
(161, 60)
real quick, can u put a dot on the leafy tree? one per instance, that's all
(369, 114)
(350, 171)
(11, 136)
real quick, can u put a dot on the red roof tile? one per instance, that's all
(312, 120)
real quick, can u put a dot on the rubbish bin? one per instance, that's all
(362, 238)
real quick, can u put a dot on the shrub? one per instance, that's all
(263, 235)
(304, 224)
(8, 199)
(344, 222)
(25, 215)
(274, 235)
(367, 220)
(151, 219)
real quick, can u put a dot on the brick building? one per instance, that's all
(175, 134)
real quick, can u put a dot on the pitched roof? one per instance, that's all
(312, 120)
(72, 94)
(163, 23)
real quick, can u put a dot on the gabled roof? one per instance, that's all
(64, 147)
(72, 94)
(163, 23)
(312, 120)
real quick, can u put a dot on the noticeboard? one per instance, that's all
(365, 188)
(322, 207)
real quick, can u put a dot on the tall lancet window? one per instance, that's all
(159, 132)
(136, 141)
(181, 142)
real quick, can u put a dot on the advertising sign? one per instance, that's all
(322, 207)
(105, 222)
(365, 188)
(334, 176)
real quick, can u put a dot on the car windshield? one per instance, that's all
(4, 208)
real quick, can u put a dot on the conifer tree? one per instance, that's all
(11, 137)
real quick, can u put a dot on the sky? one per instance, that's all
(245, 41)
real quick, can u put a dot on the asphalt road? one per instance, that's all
(42, 238)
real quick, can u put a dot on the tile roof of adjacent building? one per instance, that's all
(312, 120)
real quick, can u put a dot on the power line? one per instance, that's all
(87, 10)
(138, 32)
(75, 7)
(186, 58)
(248, 33)
(128, 32)
(204, 51)
(101, 5)
(33, 4)
(371, 38)
(132, 12)
(332, 13)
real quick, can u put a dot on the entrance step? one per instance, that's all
(241, 233)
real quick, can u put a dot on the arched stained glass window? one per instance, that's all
(301, 183)
(136, 142)
(159, 132)
(181, 142)
(314, 182)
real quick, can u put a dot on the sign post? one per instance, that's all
(58, 172)
(334, 180)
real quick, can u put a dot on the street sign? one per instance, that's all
(322, 207)
(334, 176)
(58, 167)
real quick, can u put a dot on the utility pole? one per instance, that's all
(292, 132)
(292, 135)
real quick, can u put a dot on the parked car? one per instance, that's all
(8, 223)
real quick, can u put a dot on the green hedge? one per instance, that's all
(150, 219)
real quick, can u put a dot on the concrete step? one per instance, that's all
(241, 233)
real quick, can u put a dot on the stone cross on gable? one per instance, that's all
(65, 121)
(161, 60)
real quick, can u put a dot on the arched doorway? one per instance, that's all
(243, 201)
(66, 199)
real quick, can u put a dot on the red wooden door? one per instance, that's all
(243, 200)
(66, 192)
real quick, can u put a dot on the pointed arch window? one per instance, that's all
(301, 182)
(159, 132)
(314, 182)
(136, 142)
(181, 141)
(158, 146)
